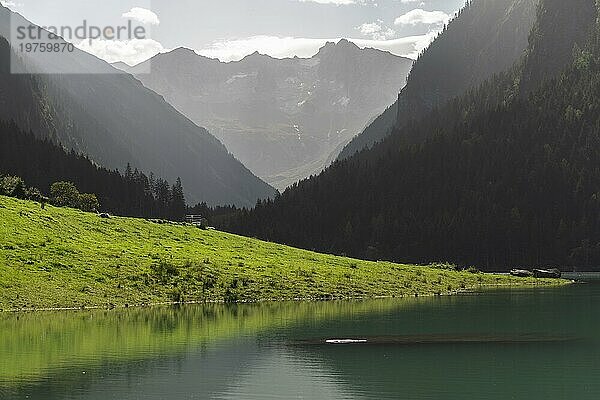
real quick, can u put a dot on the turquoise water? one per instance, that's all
(524, 344)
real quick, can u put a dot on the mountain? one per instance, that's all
(110, 116)
(508, 175)
(486, 38)
(285, 119)
(121, 66)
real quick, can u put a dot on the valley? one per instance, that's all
(285, 119)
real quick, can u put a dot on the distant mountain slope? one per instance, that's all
(114, 119)
(487, 37)
(121, 66)
(508, 175)
(40, 163)
(285, 119)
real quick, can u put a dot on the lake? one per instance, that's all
(501, 344)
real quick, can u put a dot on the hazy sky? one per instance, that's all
(231, 29)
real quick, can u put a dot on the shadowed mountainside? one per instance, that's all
(487, 38)
(114, 119)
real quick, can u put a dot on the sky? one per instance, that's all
(231, 29)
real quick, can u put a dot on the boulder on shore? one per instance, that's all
(547, 273)
(521, 273)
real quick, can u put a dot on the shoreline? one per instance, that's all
(60, 259)
(474, 290)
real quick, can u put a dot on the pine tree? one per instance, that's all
(178, 207)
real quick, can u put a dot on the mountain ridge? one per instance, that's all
(188, 50)
(285, 119)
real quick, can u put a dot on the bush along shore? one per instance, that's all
(55, 257)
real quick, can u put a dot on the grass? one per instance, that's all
(64, 258)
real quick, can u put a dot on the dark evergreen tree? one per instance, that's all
(162, 194)
(178, 207)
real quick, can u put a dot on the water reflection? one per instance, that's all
(497, 345)
(138, 350)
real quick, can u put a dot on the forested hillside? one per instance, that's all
(509, 174)
(486, 38)
(40, 163)
(111, 117)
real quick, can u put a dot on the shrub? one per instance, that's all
(176, 295)
(13, 186)
(88, 202)
(444, 265)
(164, 271)
(231, 295)
(64, 194)
(34, 194)
(209, 281)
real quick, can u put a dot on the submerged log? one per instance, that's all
(428, 339)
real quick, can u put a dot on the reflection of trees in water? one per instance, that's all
(32, 345)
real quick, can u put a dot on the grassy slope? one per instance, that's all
(65, 258)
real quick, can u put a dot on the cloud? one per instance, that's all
(278, 47)
(340, 2)
(421, 3)
(11, 4)
(284, 47)
(420, 16)
(142, 15)
(376, 30)
(336, 2)
(409, 46)
(131, 52)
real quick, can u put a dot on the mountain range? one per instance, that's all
(504, 175)
(115, 120)
(285, 119)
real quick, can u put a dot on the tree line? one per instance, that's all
(41, 163)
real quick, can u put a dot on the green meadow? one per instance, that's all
(65, 258)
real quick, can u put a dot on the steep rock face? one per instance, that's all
(285, 119)
(115, 120)
(487, 37)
